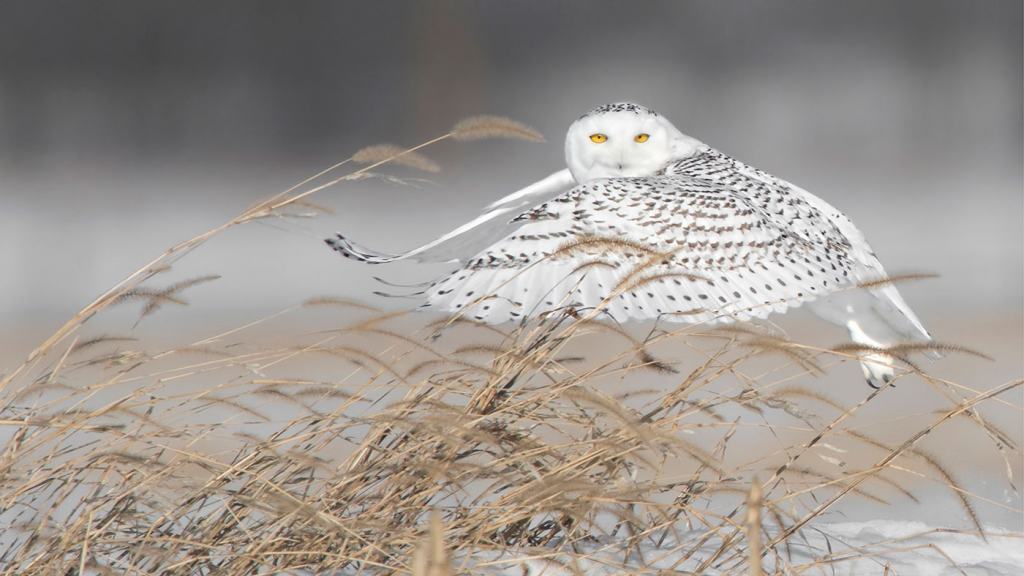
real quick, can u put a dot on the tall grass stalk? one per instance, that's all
(400, 443)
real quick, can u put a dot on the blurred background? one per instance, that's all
(128, 126)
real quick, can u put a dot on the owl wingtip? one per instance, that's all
(348, 249)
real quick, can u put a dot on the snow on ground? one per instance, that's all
(908, 548)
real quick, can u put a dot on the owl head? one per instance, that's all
(623, 140)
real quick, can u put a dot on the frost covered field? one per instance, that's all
(332, 436)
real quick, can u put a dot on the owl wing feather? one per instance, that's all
(462, 243)
(813, 218)
(706, 240)
(672, 246)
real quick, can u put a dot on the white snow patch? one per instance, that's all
(908, 548)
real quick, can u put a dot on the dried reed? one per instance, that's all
(371, 449)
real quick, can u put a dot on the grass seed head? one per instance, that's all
(486, 127)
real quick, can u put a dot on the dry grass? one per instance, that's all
(395, 155)
(389, 446)
(483, 127)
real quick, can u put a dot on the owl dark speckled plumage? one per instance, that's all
(647, 222)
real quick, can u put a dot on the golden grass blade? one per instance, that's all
(881, 464)
(894, 279)
(753, 525)
(395, 155)
(431, 558)
(484, 127)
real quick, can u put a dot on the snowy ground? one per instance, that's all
(880, 547)
(907, 548)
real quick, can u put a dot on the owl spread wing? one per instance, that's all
(708, 239)
(460, 244)
(880, 310)
(673, 246)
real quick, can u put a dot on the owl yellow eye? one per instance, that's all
(641, 138)
(598, 138)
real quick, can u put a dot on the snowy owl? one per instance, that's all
(647, 222)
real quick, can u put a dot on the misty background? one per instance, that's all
(127, 126)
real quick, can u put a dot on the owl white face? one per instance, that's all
(623, 140)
